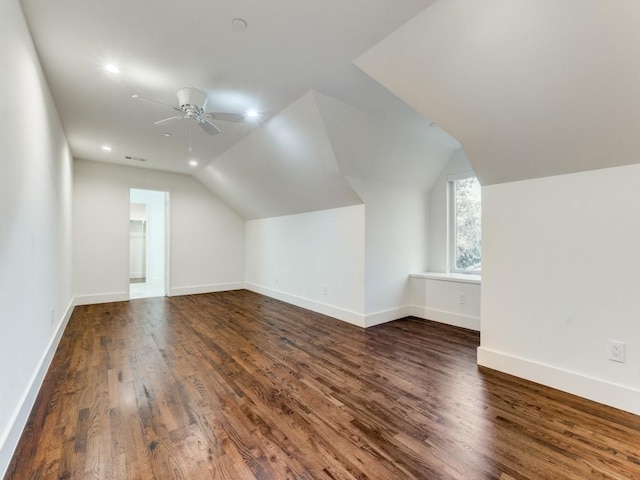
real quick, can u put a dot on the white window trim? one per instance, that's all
(451, 261)
(450, 277)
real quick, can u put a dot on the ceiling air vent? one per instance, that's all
(137, 159)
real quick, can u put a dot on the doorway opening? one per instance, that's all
(147, 243)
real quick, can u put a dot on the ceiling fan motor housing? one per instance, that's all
(192, 97)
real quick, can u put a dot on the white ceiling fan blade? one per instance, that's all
(209, 127)
(148, 100)
(170, 119)
(225, 116)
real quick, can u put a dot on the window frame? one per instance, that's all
(451, 220)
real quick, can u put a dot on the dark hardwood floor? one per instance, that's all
(236, 385)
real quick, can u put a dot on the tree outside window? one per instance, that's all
(466, 222)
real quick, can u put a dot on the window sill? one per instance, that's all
(450, 277)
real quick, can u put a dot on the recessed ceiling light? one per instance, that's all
(193, 163)
(166, 134)
(239, 23)
(106, 148)
(253, 113)
(111, 68)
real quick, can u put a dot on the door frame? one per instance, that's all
(167, 239)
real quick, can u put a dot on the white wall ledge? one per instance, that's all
(450, 277)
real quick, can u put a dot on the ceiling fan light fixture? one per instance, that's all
(192, 104)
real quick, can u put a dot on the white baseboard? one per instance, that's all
(450, 318)
(197, 289)
(607, 393)
(336, 312)
(101, 298)
(385, 316)
(11, 436)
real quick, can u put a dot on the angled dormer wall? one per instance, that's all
(392, 166)
(530, 88)
(336, 200)
(284, 167)
(305, 223)
(544, 97)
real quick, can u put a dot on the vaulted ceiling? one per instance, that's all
(288, 48)
(531, 88)
(383, 90)
(297, 161)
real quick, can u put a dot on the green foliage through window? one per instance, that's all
(467, 204)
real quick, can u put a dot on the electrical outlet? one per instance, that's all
(325, 290)
(616, 351)
(53, 315)
(463, 298)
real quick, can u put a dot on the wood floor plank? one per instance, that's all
(236, 385)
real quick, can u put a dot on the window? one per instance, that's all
(465, 224)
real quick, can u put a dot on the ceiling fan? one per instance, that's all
(192, 104)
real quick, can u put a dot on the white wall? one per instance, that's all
(560, 279)
(392, 165)
(454, 301)
(206, 244)
(35, 227)
(396, 229)
(314, 260)
(362, 254)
